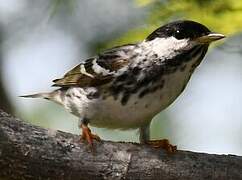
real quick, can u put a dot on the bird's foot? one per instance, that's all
(88, 136)
(164, 143)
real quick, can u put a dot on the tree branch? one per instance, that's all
(31, 152)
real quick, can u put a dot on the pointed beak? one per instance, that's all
(209, 38)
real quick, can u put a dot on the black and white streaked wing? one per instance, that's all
(97, 70)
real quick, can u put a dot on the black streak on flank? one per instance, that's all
(125, 98)
(136, 70)
(115, 90)
(122, 77)
(93, 95)
(144, 92)
(129, 82)
(152, 89)
(182, 69)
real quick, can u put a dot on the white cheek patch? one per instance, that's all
(167, 47)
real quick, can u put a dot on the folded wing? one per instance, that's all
(98, 70)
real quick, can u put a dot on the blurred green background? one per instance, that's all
(41, 40)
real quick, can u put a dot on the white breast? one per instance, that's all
(110, 113)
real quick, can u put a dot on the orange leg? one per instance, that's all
(164, 143)
(87, 135)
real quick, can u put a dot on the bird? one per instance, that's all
(126, 86)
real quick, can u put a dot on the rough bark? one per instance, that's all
(31, 152)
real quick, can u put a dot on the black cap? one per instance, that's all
(182, 29)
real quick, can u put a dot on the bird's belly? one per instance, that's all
(138, 111)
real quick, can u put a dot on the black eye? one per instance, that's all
(178, 34)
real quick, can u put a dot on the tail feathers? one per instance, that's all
(55, 96)
(39, 95)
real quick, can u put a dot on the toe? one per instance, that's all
(164, 144)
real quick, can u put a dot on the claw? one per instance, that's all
(88, 136)
(164, 143)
